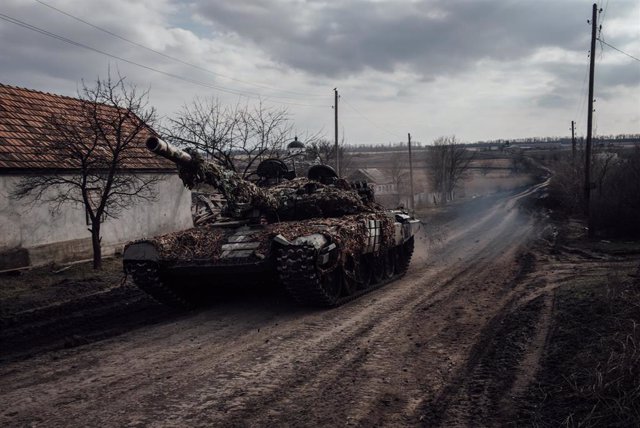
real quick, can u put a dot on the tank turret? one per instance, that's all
(320, 195)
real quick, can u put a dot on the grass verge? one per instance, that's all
(590, 374)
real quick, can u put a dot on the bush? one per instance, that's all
(615, 198)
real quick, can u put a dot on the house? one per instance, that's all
(386, 191)
(381, 182)
(34, 233)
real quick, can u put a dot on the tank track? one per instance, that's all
(297, 266)
(147, 277)
(407, 249)
(300, 277)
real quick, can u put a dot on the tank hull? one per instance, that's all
(320, 262)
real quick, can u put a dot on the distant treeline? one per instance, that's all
(563, 139)
(600, 139)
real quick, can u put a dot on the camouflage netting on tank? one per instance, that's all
(205, 242)
(236, 190)
(295, 199)
(202, 243)
(301, 198)
(349, 233)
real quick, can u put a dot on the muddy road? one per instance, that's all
(415, 352)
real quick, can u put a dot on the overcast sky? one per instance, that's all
(475, 69)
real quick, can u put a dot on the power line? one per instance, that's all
(140, 45)
(604, 15)
(621, 51)
(369, 120)
(146, 67)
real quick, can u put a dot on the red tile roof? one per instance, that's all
(25, 142)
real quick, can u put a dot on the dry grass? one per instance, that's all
(591, 375)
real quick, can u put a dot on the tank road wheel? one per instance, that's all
(378, 268)
(349, 276)
(389, 265)
(357, 276)
(365, 272)
(331, 284)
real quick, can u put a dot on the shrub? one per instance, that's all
(615, 198)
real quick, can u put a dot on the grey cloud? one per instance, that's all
(432, 37)
(554, 100)
(572, 78)
(619, 75)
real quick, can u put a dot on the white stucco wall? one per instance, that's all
(59, 236)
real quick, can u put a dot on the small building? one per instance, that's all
(386, 191)
(34, 233)
(381, 182)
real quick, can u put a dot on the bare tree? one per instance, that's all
(208, 127)
(448, 161)
(399, 175)
(615, 206)
(265, 133)
(567, 185)
(236, 137)
(323, 151)
(93, 145)
(602, 163)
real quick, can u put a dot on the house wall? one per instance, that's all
(35, 233)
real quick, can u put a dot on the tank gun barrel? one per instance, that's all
(168, 151)
(193, 170)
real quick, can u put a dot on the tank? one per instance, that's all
(324, 240)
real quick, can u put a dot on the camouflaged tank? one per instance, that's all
(324, 240)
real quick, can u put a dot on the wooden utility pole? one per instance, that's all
(411, 175)
(335, 112)
(587, 151)
(573, 140)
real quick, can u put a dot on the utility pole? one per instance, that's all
(411, 175)
(587, 154)
(573, 140)
(335, 112)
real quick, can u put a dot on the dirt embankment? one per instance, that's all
(476, 334)
(56, 307)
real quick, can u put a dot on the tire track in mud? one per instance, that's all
(505, 358)
(78, 322)
(373, 361)
(350, 354)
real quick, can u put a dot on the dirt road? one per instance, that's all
(420, 351)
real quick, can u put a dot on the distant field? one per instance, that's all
(489, 172)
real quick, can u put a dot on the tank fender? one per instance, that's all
(141, 251)
(410, 228)
(405, 227)
(398, 233)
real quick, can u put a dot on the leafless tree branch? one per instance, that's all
(93, 143)
(448, 161)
